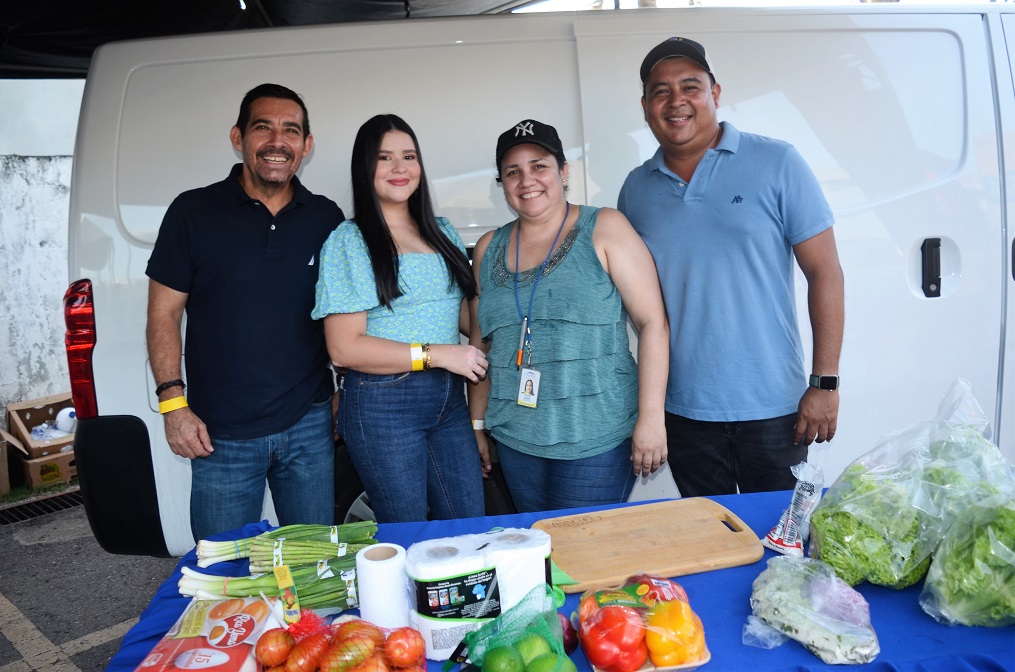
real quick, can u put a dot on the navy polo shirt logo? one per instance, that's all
(737, 199)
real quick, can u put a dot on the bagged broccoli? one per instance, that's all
(804, 599)
(971, 580)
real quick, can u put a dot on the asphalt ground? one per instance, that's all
(65, 603)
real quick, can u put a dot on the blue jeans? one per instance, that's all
(410, 437)
(227, 487)
(717, 458)
(543, 484)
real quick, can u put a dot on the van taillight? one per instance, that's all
(79, 315)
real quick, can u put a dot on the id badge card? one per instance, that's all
(528, 388)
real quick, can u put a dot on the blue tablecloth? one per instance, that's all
(911, 641)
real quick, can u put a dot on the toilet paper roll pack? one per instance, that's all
(459, 583)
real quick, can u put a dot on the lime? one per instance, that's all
(551, 662)
(503, 659)
(531, 646)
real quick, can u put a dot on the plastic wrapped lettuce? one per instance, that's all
(805, 600)
(868, 527)
(885, 515)
(971, 580)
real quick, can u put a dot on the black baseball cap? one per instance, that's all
(675, 46)
(534, 132)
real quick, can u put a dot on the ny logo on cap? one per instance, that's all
(524, 128)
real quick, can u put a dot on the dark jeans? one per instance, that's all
(717, 458)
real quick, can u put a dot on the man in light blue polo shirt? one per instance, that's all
(724, 214)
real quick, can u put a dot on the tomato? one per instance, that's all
(359, 627)
(273, 647)
(405, 648)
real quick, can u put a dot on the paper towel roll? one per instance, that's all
(382, 585)
(520, 557)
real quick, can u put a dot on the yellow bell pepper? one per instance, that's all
(674, 634)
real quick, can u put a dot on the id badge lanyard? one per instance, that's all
(525, 338)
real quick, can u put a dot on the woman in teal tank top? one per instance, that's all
(575, 419)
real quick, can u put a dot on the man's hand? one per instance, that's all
(187, 435)
(816, 416)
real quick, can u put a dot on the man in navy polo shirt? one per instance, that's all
(724, 213)
(239, 257)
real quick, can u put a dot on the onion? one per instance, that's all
(273, 647)
(307, 653)
(570, 634)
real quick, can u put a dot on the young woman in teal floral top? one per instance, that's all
(393, 290)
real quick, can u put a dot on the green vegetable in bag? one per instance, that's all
(972, 578)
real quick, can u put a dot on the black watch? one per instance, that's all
(825, 382)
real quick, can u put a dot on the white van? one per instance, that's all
(905, 114)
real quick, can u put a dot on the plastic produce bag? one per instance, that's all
(805, 600)
(971, 580)
(524, 632)
(789, 536)
(648, 618)
(883, 517)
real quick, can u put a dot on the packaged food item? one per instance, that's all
(217, 635)
(789, 536)
(645, 623)
(804, 599)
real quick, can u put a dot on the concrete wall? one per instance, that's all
(38, 121)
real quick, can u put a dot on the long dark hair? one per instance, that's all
(368, 217)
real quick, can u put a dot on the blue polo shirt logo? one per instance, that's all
(737, 199)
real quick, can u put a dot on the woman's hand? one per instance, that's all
(484, 452)
(465, 360)
(648, 446)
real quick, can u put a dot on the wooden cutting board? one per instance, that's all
(684, 536)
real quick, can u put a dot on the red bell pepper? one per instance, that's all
(613, 639)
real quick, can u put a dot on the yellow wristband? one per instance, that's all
(479, 425)
(416, 351)
(172, 404)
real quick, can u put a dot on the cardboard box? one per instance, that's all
(40, 471)
(24, 415)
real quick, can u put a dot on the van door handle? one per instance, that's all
(931, 249)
